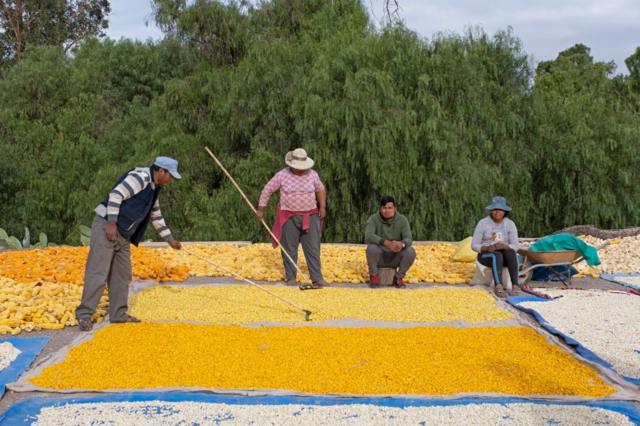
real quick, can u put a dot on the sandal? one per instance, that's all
(500, 291)
(126, 318)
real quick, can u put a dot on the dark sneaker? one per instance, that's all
(126, 318)
(292, 282)
(398, 282)
(319, 284)
(85, 324)
(374, 281)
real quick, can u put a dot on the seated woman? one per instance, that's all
(495, 239)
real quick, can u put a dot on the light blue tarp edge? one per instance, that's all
(582, 350)
(29, 347)
(614, 279)
(25, 412)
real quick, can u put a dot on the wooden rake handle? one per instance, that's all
(250, 204)
(306, 312)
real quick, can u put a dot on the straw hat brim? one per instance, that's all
(300, 164)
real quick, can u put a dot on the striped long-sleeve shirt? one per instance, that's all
(135, 182)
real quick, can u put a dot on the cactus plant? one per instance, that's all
(8, 242)
(43, 241)
(85, 235)
(26, 241)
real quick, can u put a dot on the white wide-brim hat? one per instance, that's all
(297, 159)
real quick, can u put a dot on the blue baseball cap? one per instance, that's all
(169, 164)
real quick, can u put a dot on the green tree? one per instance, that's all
(62, 23)
(442, 124)
(584, 143)
(216, 31)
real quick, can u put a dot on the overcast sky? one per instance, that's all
(611, 28)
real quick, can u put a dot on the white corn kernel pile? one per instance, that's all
(606, 323)
(191, 413)
(8, 354)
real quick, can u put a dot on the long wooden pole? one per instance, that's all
(250, 204)
(306, 312)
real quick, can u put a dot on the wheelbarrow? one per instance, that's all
(558, 262)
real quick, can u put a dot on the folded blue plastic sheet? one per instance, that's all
(620, 279)
(25, 412)
(29, 348)
(582, 350)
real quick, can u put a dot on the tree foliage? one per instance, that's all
(441, 124)
(62, 23)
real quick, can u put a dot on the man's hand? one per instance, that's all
(260, 213)
(488, 249)
(111, 229)
(174, 244)
(322, 212)
(394, 246)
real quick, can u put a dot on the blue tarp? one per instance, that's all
(24, 412)
(554, 273)
(29, 347)
(616, 278)
(582, 350)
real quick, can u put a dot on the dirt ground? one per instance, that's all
(60, 338)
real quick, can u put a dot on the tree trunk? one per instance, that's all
(18, 31)
(603, 234)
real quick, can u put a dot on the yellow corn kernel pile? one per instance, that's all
(340, 263)
(146, 263)
(362, 361)
(36, 306)
(65, 264)
(243, 304)
(53, 264)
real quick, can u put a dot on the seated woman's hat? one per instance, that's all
(498, 203)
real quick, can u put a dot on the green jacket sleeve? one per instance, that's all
(407, 238)
(370, 236)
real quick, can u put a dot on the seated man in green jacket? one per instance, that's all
(388, 238)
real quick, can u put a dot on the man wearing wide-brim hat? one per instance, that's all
(495, 239)
(300, 212)
(121, 220)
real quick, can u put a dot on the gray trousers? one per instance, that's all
(292, 236)
(377, 257)
(108, 262)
